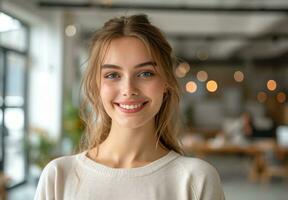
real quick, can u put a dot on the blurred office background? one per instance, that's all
(233, 62)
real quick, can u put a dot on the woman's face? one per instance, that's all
(131, 88)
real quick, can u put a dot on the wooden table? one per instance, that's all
(202, 150)
(259, 168)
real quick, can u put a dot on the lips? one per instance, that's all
(131, 106)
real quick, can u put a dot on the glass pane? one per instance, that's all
(1, 77)
(13, 33)
(15, 80)
(14, 165)
(1, 132)
(1, 117)
(14, 119)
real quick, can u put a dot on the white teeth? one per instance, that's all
(130, 107)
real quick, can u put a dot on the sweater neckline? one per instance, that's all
(130, 172)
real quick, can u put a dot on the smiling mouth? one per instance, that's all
(130, 108)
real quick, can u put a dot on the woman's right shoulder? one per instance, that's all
(56, 173)
(62, 164)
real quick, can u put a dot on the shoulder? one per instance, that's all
(56, 173)
(202, 177)
(60, 164)
(57, 169)
(195, 165)
(63, 161)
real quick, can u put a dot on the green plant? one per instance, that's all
(41, 147)
(72, 124)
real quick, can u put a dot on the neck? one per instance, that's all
(125, 147)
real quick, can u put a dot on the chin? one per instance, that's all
(132, 123)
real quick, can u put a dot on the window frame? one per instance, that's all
(24, 53)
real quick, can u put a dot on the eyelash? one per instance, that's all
(114, 74)
(108, 76)
(146, 72)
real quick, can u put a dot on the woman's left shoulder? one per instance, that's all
(197, 166)
(202, 177)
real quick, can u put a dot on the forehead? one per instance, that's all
(127, 51)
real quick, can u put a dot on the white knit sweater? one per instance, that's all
(172, 177)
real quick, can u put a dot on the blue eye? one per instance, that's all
(112, 76)
(146, 74)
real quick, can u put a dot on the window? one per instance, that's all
(13, 82)
(13, 33)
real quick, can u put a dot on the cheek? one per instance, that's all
(156, 89)
(106, 92)
(159, 86)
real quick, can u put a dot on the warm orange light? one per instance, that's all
(261, 97)
(191, 87)
(281, 97)
(271, 85)
(238, 76)
(211, 86)
(202, 76)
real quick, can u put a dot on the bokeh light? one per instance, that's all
(238, 76)
(191, 87)
(281, 97)
(179, 72)
(211, 86)
(182, 70)
(70, 30)
(202, 55)
(202, 76)
(184, 66)
(271, 85)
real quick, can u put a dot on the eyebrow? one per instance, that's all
(105, 66)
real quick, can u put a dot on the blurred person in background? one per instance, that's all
(238, 130)
(246, 129)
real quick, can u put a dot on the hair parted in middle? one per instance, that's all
(98, 122)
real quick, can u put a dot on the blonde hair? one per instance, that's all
(97, 121)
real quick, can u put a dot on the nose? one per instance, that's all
(129, 88)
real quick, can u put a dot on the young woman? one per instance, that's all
(131, 151)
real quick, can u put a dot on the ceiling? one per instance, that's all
(210, 30)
